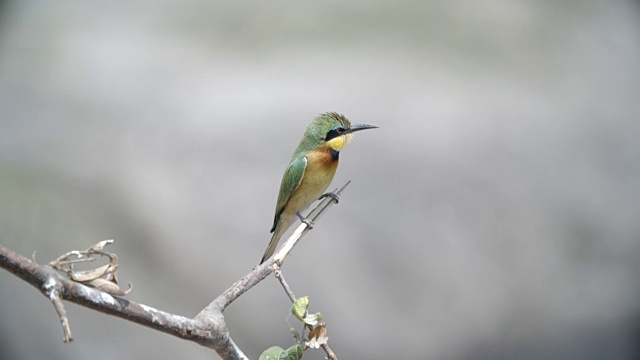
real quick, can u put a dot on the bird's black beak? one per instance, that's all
(358, 127)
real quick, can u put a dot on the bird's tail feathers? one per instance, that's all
(277, 234)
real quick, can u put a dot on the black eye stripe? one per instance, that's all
(333, 133)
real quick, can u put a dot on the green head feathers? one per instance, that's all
(328, 127)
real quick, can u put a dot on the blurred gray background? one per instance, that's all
(494, 214)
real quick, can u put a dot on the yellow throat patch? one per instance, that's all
(337, 143)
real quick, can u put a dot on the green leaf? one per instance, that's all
(300, 307)
(277, 353)
(293, 353)
(272, 353)
(312, 319)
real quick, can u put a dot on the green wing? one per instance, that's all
(290, 182)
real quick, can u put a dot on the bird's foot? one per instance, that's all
(305, 220)
(332, 195)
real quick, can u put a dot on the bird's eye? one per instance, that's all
(334, 132)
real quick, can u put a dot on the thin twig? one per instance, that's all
(64, 320)
(301, 230)
(51, 288)
(263, 270)
(330, 354)
(284, 284)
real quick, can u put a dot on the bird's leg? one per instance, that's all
(304, 220)
(331, 195)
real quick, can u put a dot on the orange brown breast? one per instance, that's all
(318, 174)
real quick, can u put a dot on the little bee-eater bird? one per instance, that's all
(313, 164)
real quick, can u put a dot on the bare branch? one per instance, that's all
(211, 333)
(330, 354)
(208, 328)
(263, 270)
